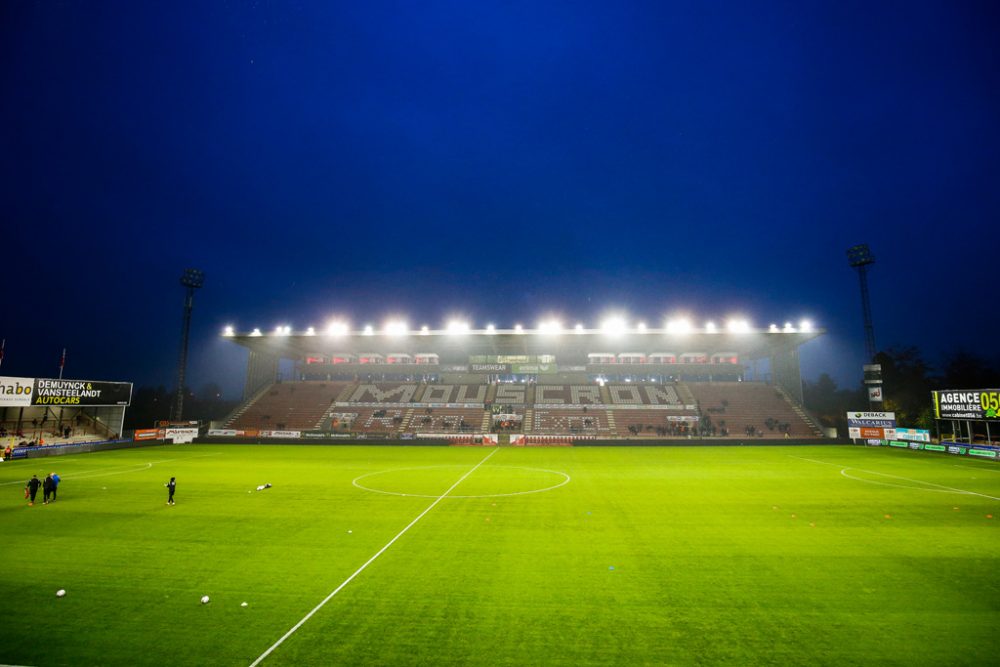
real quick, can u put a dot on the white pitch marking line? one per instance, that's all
(369, 562)
(906, 479)
(137, 467)
(566, 480)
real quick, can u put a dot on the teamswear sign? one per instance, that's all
(44, 391)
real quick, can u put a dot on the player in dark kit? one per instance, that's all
(171, 486)
(32, 488)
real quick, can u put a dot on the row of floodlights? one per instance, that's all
(614, 326)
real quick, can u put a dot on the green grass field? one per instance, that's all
(648, 555)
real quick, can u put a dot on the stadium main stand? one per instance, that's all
(622, 410)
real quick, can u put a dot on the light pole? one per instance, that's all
(860, 257)
(191, 280)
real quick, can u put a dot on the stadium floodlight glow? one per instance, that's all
(789, 328)
(337, 329)
(396, 328)
(491, 329)
(457, 327)
(228, 331)
(369, 330)
(282, 330)
(550, 327)
(738, 326)
(710, 327)
(518, 328)
(579, 327)
(641, 327)
(773, 328)
(424, 330)
(614, 326)
(255, 332)
(311, 331)
(805, 326)
(679, 326)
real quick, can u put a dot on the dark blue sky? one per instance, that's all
(502, 161)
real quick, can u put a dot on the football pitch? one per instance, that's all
(483, 556)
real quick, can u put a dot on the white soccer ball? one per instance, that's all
(243, 604)
(204, 599)
(61, 592)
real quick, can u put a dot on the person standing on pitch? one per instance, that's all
(32, 489)
(171, 486)
(55, 485)
(47, 489)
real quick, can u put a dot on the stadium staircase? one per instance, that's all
(803, 415)
(611, 420)
(484, 426)
(529, 418)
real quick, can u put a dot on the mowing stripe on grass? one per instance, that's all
(371, 560)
(844, 470)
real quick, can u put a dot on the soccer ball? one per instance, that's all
(61, 592)
(204, 599)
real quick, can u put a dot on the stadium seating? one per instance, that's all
(624, 410)
(290, 406)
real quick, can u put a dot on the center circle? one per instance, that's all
(432, 481)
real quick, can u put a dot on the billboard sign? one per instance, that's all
(970, 404)
(913, 434)
(875, 393)
(25, 392)
(16, 391)
(880, 425)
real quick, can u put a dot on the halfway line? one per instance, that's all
(369, 562)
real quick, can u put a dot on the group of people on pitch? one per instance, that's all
(49, 487)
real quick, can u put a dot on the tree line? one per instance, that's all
(907, 383)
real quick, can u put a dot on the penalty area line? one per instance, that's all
(371, 560)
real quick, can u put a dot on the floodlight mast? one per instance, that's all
(860, 257)
(191, 280)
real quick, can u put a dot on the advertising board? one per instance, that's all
(16, 391)
(971, 404)
(913, 434)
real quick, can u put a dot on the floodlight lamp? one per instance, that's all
(456, 327)
(311, 331)
(738, 326)
(192, 278)
(255, 332)
(336, 329)
(491, 329)
(396, 328)
(579, 327)
(641, 327)
(282, 330)
(425, 330)
(679, 326)
(860, 255)
(773, 328)
(228, 331)
(710, 327)
(789, 328)
(369, 330)
(518, 328)
(805, 326)
(550, 327)
(614, 326)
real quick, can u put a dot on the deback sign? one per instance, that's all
(967, 404)
(26, 392)
(872, 425)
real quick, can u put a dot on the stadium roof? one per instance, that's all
(748, 342)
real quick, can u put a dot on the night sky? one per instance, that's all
(497, 161)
